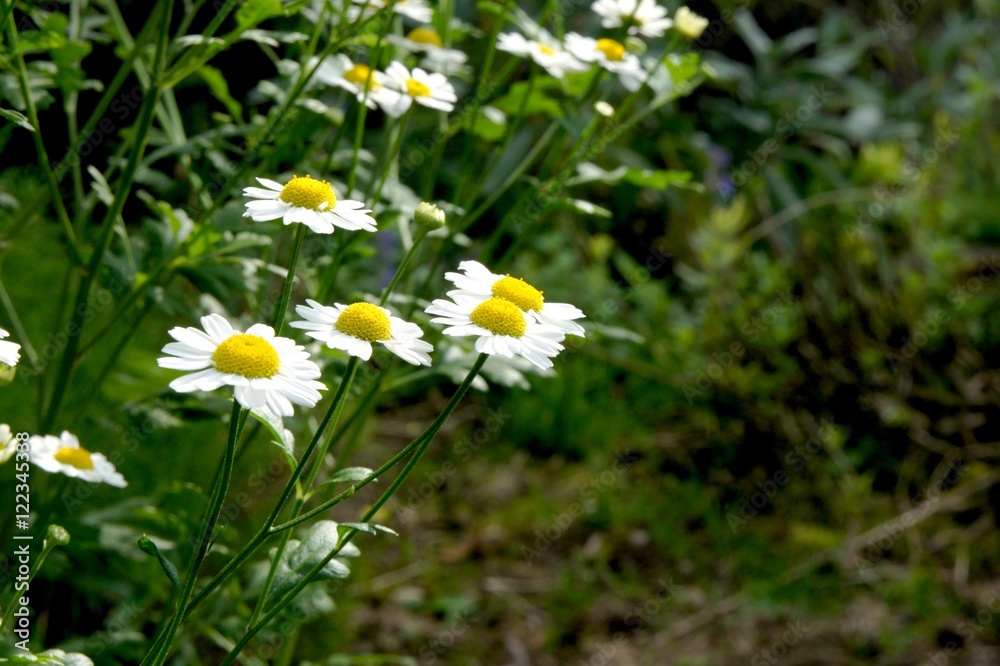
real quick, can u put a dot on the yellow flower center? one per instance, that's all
(500, 317)
(518, 292)
(246, 355)
(366, 321)
(415, 88)
(613, 50)
(79, 458)
(545, 48)
(308, 193)
(361, 75)
(425, 36)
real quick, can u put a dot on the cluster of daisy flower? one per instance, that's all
(577, 53)
(507, 316)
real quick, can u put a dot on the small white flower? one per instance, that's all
(64, 455)
(609, 54)
(10, 352)
(478, 282)
(8, 443)
(416, 10)
(425, 88)
(265, 370)
(545, 51)
(355, 328)
(341, 71)
(310, 202)
(426, 40)
(690, 24)
(500, 327)
(643, 17)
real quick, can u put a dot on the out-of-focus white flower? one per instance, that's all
(425, 88)
(10, 352)
(64, 455)
(689, 24)
(643, 17)
(609, 54)
(545, 51)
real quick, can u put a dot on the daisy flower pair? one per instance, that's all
(394, 91)
(508, 316)
(577, 55)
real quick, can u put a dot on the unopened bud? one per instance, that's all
(429, 216)
(604, 109)
(635, 45)
(57, 535)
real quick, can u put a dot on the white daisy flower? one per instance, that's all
(545, 51)
(416, 10)
(10, 352)
(64, 455)
(643, 17)
(354, 328)
(342, 72)
(610, 55)
(427, 89)
(478, 282)
(265, 370)
(426, 40)
(689, 24)
(8, 443)
(311, 202)
(500, 326)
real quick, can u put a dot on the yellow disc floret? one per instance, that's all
(79, 458)
(500, 317)
(545, 48)
(613, 50)
(366, 321)
(518, 292)
(361, 75)
(246, 355)
(308, 193)
(416, 88)
(425, 36)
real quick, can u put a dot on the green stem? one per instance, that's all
(286, 292)
(333, 411)
(123, 187)
(307, 578)
(156, 657)
(421, 234)
(43, 156)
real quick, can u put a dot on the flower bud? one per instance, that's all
(429, 217)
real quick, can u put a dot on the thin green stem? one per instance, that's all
(230, 568)
(397, 482)
(123, 189)
(401, 269)
(36, 135)
(286, 292)
(156, 657)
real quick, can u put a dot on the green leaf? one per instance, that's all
(370, 528)
(538, 100)
(284, 439)
(300, 557)
(17, 118)
(220, 90)
(252, 12)
(351, 474)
